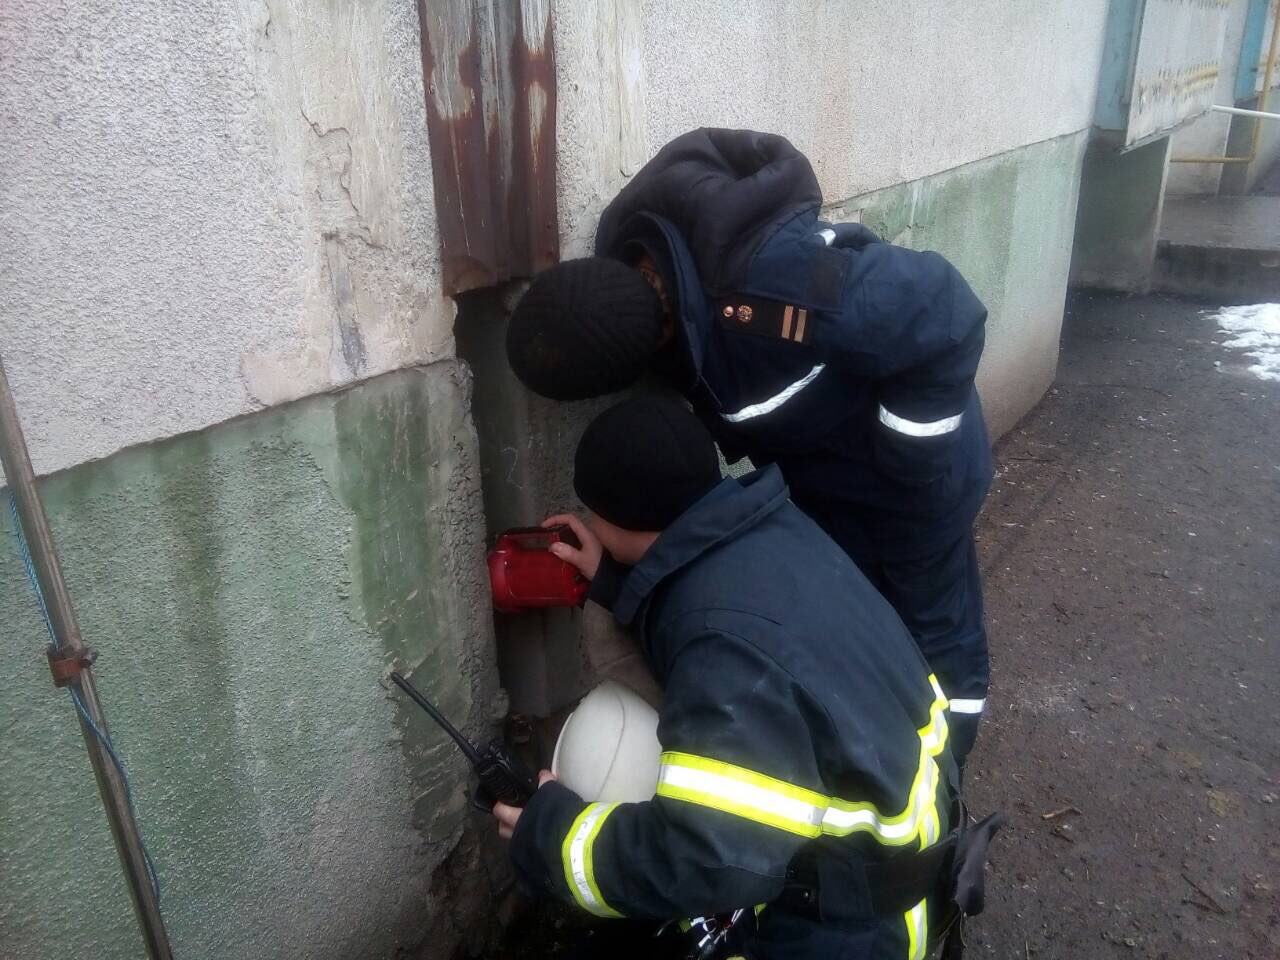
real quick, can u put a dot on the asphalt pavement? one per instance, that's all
(1131, 545)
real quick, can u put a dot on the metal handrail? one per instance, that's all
(1258, 115)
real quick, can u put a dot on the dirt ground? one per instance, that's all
(1131, 544)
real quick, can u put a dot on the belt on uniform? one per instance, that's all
(828, 890)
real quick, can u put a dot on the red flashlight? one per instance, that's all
(526, 575)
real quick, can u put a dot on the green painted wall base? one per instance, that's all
(1006, 222)
(1121, 195)
(247, 587)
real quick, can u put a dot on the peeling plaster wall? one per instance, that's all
(209, 208)
(219, 255)
(246, 588)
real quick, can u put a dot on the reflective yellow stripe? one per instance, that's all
(784, 806)
(576, 851)
(933, 737)
(742, 792)
(920, 816)
(917, 930)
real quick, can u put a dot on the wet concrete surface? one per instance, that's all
(1223, 248)
(1219, 248)
(1131, 544)
(1269, 183)
(1238, 223)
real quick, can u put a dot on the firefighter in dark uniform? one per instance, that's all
(806, 763)
(847, 362)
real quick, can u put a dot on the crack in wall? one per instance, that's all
(331, 139)
(344, 299)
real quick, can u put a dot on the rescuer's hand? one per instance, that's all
(586, 558)
(507, 816)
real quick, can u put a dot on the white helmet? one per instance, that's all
(608, 749)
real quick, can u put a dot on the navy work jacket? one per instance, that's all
(798, 719)
(847, 361)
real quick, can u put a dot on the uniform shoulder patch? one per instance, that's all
(764, 318)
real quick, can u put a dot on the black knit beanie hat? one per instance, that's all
(643, 462)
(584, 328)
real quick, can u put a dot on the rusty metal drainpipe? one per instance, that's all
(71, 665)
(1273, 51)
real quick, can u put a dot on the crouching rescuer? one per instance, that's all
(806, 784)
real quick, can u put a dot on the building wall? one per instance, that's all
(1218, 134)
(211, 210)
(1242, 179)
(246, 588)
(1207, 135)
(223, 321)
(877, 93)
(1118, 219)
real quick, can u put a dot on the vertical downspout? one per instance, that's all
(489, 77)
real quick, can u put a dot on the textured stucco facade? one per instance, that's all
(215, 207)
(876, 93)
(212, 209)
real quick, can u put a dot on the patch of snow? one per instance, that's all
(1255, 329)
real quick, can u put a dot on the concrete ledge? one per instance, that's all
(1224, 249)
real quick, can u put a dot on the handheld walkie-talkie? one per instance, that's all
(502, 776)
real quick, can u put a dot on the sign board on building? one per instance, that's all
(1160, 66)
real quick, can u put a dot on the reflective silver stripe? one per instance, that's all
(577, 859)
(911, 428)
(828, 236)
(893, 831)
(968, 706)
(774, 402)
(918, 930)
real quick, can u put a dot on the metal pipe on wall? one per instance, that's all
(71, 650)
(1268, 75)
(1238, 112)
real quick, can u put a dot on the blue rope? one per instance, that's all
(27, 564)
(30, 567)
